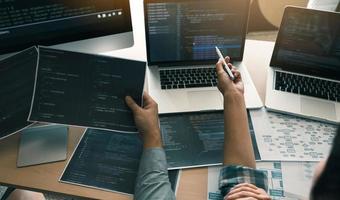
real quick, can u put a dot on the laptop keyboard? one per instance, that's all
(188, 78)
(315, 87)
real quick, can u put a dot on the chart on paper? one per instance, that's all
(282, 137)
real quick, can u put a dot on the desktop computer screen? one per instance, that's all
(49, 22)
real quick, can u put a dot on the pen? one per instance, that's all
(225, 65)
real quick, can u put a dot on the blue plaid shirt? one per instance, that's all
(233, 175)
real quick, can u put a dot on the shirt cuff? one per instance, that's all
(153, 159)
(233, 175)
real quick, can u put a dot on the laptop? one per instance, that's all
(181, 36)
(304, 72)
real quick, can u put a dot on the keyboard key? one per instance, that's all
(314, 87)
(188, 78)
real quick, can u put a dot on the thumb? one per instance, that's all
(131, 104)
(221, 73)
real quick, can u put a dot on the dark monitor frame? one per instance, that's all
(293, 67)
(189, 62)
(72, 35)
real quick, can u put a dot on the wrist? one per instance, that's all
(152, 139)
(233, 95)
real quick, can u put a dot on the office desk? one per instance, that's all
(193, 182)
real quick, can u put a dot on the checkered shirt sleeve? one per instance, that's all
(233, 175)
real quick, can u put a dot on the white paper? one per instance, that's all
(282, 137)
(298, 177)
(213, 191)
(286, 180)
(329, 5)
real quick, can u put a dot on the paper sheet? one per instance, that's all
(282, 137)
(286, 180)
(16, 84)
(329, 5)
(116, 156)
(86, 90)
(195, 139)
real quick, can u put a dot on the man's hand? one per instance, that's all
(225, 84)
(246, 191)
(146, 120)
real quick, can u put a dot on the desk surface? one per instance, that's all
(193, 182)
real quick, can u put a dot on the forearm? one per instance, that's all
(152, 180)
(238, 149)
(152, 139)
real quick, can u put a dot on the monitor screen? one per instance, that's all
(49, 22)
(309, 42)
(188, 31)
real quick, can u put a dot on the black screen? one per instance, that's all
(196, 139)
(47, 22)
(16, 88)
(188, 31)
(309, 42)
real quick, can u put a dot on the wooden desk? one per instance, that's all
(193, 182)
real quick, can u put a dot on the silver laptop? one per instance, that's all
(181, 37)
(304, 73)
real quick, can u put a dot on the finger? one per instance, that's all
(132, 104)
(244, 188)
(234, 70)
(227, 59)
(246, 185)
(221, 74)
(236, 73)
(244, 194)
(231, 66)
(219, 67)
(148, 101)
(247, 198)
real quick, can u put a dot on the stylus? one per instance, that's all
(225, 66)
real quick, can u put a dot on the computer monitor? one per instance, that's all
(50, 22)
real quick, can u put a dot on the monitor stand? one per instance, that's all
(100, 44)
(42, 144)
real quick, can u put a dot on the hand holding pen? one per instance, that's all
(225, 65)
(226, 85)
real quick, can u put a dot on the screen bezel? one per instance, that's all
(326, 73)
(189, 62)
(64, 37)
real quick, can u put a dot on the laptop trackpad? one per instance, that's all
(203, 100)
(318, 108)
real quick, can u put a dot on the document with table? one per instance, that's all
(86, 90)
(283, 137)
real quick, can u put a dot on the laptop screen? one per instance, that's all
(309, 43)
(188, 30)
